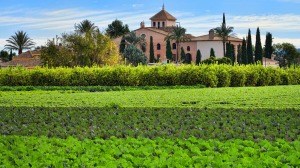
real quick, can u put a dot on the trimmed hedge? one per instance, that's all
(164, 75)
(85, 122)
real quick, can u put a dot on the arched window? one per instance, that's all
(158, 46)
(174, 46)
(144, 48)
(154, 24)
(158, 23)
(188, 48)
(163, 24)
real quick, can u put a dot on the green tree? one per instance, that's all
(198, 57)
(4, 55)
(182, 55)
(178, 35)
(224, 32)
(239, 55)
(258, 47)
(122, 45)
(77, 50)
(286, 54)
(230, 51)
(117, 29)
(268, 46)
(151, 50)
(169, 53)
(134, 55)
(244, 52)
(249, 48)
(136, 40)
(212, 53)
(19, 42)
(86, 26)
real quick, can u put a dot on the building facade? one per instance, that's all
(161, 25)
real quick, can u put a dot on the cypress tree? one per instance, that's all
(151, 50)
(268, 46)
(212, 53)
(182, 55)
(258, 47)
(233, 53)
(169, 53)
(229, 52)
(239, 54)
(122, 45)
(244, 52)
(198, 57)
(249, 48)
(10, 55)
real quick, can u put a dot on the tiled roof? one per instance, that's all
(216, 38)
(163, 15)
(25, 59)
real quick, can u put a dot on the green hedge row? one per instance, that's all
(221, 124)
(164, 75)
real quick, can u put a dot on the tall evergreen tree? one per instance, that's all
(233, 53)
(244, 52)
(198, 57)
(239, 54)
(122, 45)
(258, 47)
(151, 50)
(212, 53)
(182, 55)
(169, 53)
(229, 52)
(249, 48)
(268, 45)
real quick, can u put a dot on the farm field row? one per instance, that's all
(246, 97)
(20, 151)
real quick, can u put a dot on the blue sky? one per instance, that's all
(45, 19)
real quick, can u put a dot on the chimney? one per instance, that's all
(211, 34)
(142, 24)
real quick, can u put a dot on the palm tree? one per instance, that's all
(134, 39)
(178, 35)
(19, 41)
(86, 26)
(224, 32)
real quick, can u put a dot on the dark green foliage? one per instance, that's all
(244, 52)
(268, 46)
(113, 120)
(249, 48)
(258, 47)
(117, 29)
(169, 53)
(230, 52)
(182, 55)
(134, 55)
(239, 55)
(122, 45)
(4, 55)
(151, 50)
(198, 57)
(286, 54)
(212, 53)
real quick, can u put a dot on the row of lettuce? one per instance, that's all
(171, 123)
(20, 151)
(164, 75)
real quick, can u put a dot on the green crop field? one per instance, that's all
(160, 127)
(247, 97)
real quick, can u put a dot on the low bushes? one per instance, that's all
(164, 75)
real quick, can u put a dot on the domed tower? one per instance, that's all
(163, 19)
